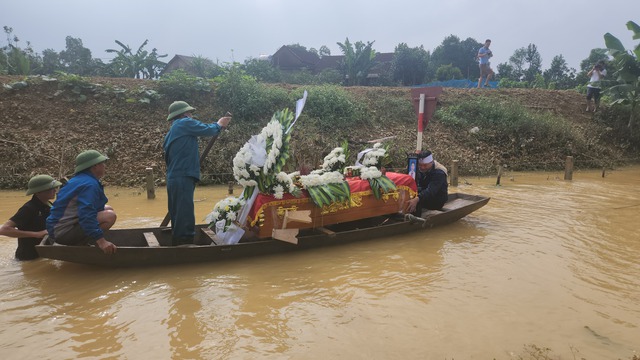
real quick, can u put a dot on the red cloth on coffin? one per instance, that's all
(355, 184)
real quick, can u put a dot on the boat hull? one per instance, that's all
(136, 250)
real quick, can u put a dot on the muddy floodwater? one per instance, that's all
(548, 266)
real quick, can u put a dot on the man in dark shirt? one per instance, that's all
(28, 224)
(183, 166)
(432, 185)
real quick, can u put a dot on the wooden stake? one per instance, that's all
(499, 175)
(568, 168)
(151, 190)
(454, 173)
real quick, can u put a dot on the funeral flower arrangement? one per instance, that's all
(259, 162)
(227, 210)
(336, 159)
(258, 165)
(284, 184)
(327, 185)
(372, 161)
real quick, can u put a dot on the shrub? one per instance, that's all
(448, 72)
(246, 98)
(180, 85)
(329, 103)
(508, 83)
(509, 124)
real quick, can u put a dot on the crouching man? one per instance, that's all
(80, 215)
(432, 185)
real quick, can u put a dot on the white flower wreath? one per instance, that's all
(274, 131)
(335, 160)
(374, 156)
(244, 171)
(261, 158)
(227, 210)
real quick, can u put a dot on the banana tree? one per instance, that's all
(627, 73)
(142, 64)
(358, 61)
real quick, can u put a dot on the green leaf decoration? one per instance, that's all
(330, 193)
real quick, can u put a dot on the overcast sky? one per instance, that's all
(239, 29)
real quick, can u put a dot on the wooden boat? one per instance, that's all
(150, 246)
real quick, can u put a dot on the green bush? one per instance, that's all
(72, 81)
(508, 123)
(180, 85)
(448, 72)
(507, 83)
(301, 77)
(330, 76)
(331, 104)
(246, 98)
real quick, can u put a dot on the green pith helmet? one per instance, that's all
(178, 107)
(40, 183)
(87, 159)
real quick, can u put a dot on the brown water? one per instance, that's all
(547, 262)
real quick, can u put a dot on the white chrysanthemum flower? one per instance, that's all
(336, 156)
(283, 177)
(370, 172)
(333, 177)
(310, 180)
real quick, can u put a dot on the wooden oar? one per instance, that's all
(204, 154)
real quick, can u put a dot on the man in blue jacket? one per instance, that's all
(432, 185)
(80, 215)
(183, 167)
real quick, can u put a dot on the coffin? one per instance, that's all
(268, 213)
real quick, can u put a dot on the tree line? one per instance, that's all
(76, 59)
(451, 60)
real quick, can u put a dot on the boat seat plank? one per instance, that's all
(456, 204)
(151, 239)
(326, 231)
(210, 234)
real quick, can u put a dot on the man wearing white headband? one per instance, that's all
(432, 185)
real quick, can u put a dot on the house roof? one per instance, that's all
(184, 62)
(293, 58)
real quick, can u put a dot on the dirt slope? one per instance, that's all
(43, 129)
